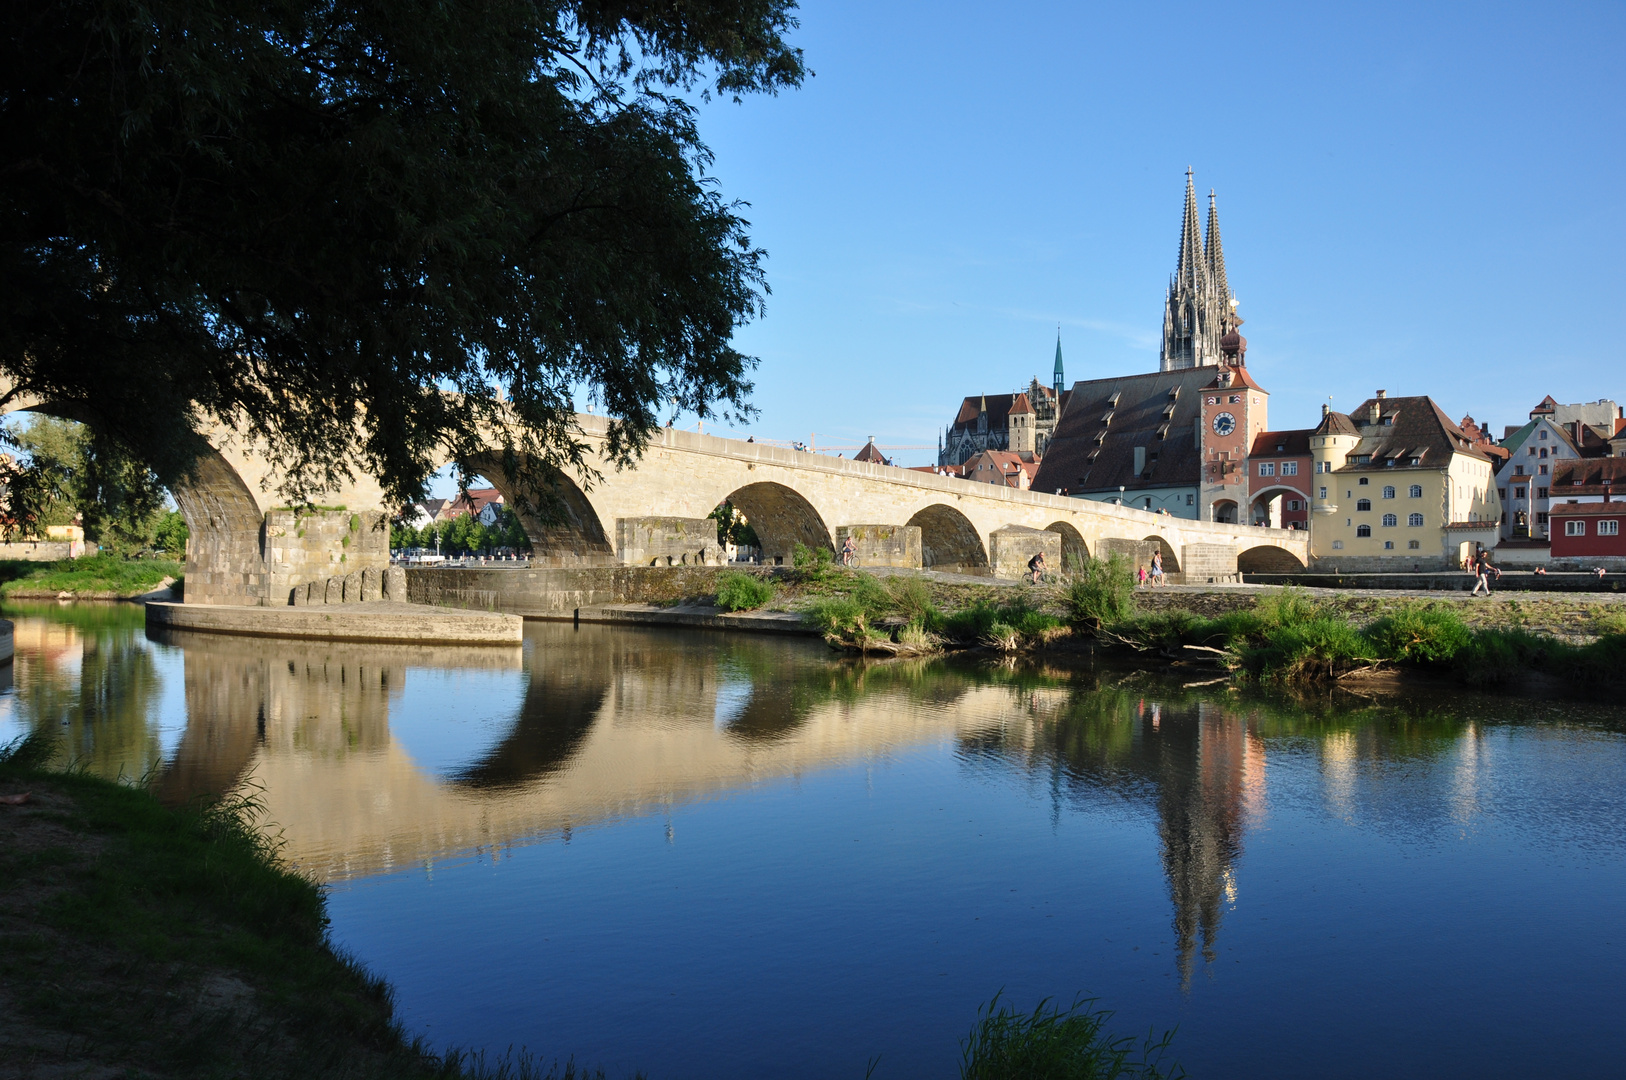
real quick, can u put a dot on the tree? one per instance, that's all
(732, 526)
(119, 500)
(363, 230)
(171, 534)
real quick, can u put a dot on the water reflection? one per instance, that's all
(373, 757)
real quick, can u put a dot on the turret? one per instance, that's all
(1330, 445)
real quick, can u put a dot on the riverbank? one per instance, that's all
(94, 577)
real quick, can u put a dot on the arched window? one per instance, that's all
(1388, 493)
(1362, 480)
(1415, 521)
(1363, 504)
(1417, 491)
(1363, 530)
(1390, 521)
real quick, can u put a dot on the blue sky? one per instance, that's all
(1421, 200)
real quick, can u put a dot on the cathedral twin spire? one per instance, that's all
(1199, 309)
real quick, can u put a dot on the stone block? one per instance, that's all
(372, 584)
(1011, 547)
(1208, 564)
(395, 585)
(352, 587)
(333, 591)
(668, 541)
(882, 545)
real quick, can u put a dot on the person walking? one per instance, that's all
(1157, 569)
(1482, 573)
(1140, 572)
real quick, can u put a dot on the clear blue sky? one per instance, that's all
(1424, 201)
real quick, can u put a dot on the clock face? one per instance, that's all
(1224, 424)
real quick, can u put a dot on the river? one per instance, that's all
(713, 855)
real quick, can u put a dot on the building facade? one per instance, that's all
(1590, 532)
(1397, 485)
(1279, 479)
(1024, 421)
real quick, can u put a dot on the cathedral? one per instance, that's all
(1199, 310)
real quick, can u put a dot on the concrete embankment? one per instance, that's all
(695, 616)
(366, 622)
(557, 593)
(1512, 581)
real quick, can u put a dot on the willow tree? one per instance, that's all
(361, 229)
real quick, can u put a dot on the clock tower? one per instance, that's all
(1233, 413)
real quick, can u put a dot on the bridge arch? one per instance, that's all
(558, 518)
(1171, 558)
(1073, 547)
(782, 518)
(948, 541)
(1268, 559)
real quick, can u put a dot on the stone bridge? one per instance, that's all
(245, 549)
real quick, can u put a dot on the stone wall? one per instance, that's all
(1338, 563)
(38, 550)
(1012, 547)
(1208, 564)
(315, 545)
(556, 592)
(882, 545)
(224, 566)
(668, 541)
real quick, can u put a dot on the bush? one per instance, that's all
(1322, 646)
(839, 616)
(806, 558)
(1101, 593)
(910, 598)
(1056, 1045)
(739, 591)
(1420, 635)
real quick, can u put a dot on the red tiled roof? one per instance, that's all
(1292, 443)
(1021, 404)
(1607, 509)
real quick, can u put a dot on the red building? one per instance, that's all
(1588, 530)
(1279, 479)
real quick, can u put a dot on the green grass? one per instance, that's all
(739, 591)
(138, 939)
(93, 573)
(897, 614)
(1051, 1043)
(1101, 592)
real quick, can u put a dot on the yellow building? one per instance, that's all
(1396, 485)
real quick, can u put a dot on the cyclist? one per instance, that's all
(1036, 569)
(849, 552)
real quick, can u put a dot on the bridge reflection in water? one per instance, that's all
(372, 758)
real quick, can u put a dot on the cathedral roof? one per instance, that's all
(1093, 448)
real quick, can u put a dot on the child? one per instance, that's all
(1142, 573)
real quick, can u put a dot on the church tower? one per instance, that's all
(1199, 309)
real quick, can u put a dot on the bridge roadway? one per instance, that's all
(245, 549)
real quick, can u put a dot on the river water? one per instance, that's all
(710, 855)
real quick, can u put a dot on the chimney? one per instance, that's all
(1375, 412)
(1325, 409)
(1382, 394)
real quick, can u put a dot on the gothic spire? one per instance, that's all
(1189, 272)
(1216, 256)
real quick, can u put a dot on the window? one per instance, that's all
(1413, 544)
(1415, 520)
(1267, 468)
(1609, 528)
(1363, 480)
(1388, 492)
(1390, 521)
(1518, 493)
(1363, 530)
(1416, 491)
(1236, 399)
(1531, 452)
(1542, 434)
(1213, 401)
(1541, 493)
(1363, 504)
(1518, 470)
(1293, 504)
(1323, 493)
(1148, 503)
(1188, 500)
(1541, 519)
(1390, 463)
(1416, 461)
(1388, 545)
(1574, 528)
(1290, 468)
(1543, 469)
(1543, 451)
(1338, 545)
(1388, 419)
(1501, 493)
(1323, 466)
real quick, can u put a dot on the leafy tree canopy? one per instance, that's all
(77, 474)
(313, 217)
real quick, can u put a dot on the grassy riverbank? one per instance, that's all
(1275, 635)
(141, 940)
(102, 577)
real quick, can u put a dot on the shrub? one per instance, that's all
(910, 598)
(1101, 593)
(806, 558)
(1321, 646)
(739, 591)
(839, 616)
(1420, 635)
(1056, 1045)
(1285, 608)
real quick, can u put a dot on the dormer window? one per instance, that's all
(1416, 461)
(1388, 420)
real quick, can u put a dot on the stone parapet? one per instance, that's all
(668, 541)
(1010, 549)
